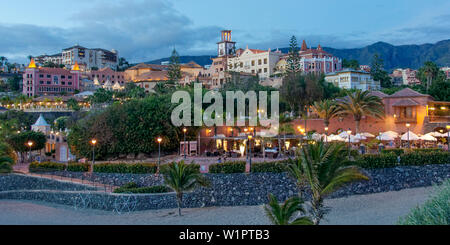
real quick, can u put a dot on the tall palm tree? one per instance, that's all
(324, 168)
(359, 104)
(326, 109)
(180, 178)
(283, 214)
(430, 70)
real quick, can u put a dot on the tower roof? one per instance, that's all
(32, 64)
(76, 67)
(319, 47)
(304, 47)
(41, 121)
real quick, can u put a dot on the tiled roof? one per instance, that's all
(378, 94)
(153, 76)
(405, 102)
(191, 64)
(151, 66)
(407, 92)
(54, 70)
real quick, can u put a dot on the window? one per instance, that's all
(55, 80)
(48, 82)
(69, 77)
(259, 62)
(265, 70)
(259, 70)
(62, 76)
(70, 83)
(265, 61)
(41, 82)
(48, 76)
(253, 63)
(41, 75)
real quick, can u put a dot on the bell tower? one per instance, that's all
(226, 47)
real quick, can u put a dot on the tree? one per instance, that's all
(324, 168)
(61, 123)
(378, 73)
(174, 71)
(72, 104)
(133, 91)
(101, 95)
(181, 178)
(326, 109)
(293, 60)
(352, 64)
(14, 83)
(359, 104)
(284, 214)
(428, 72)
(19, 141)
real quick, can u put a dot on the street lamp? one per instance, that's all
(249, 137)
(448, 137)
(30, 144)
(159, 151)
(407, 126)
(184, 143)
(349, 132)
(93, 143)
(326, 134)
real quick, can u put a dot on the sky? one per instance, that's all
(143, 30)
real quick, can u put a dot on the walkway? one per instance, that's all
(380, 208)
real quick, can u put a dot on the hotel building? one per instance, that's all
(353, 79)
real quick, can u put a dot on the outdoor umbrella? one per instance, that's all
(412, 136)
(360, 136)
(392, 133)
(368, 135)
(385, 137)
(428, 137)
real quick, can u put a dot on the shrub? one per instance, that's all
(435, 211)
(273, 167)
(377, 160)
(227, 167)
(427, 150)
(134, 168)
(192, 167)
(396, 151)
(46, 167)
(5, 168)
(78, 167)
(424, 158)
(133, 188)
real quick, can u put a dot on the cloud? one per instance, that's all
(139, 30)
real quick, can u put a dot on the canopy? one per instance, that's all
(368, 135)
(360, 137)
(412, 136)
(392, 133)
(428, 137)
(335, 138)
(437, 134)
(385, 137)
(343, 134)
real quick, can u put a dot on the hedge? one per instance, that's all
(46, 166)
(396, 151)
(78, 167)
(134, 188)
(411, 158)
(191, 166)
(5, 168)
(227, 167)
(273, 167)
(427, 150)
(134, 168)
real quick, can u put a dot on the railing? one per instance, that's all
(405, 119)
(434, 118)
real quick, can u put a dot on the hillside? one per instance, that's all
(402, 56)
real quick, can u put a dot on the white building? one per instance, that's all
(89, 58)
(54, 58)
(353, 79)
(254, 61)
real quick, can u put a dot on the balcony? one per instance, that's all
(405, 119)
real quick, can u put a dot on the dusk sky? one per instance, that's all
(146, 30)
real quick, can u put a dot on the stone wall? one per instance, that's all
(225, 189)
(10, 182)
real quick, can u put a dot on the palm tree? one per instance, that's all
(326, 109)
(283, 214)
(430, 70)
(359, 104)
(180, 178)
(324, 168)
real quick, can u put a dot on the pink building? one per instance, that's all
(50, 81)
(318, 60)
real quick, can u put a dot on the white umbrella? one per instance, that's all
(316, 136)
(412, 136)
(428, 137)
(392, 133)
(360, 136)
(335, 138)
(343, 134)
(385, 137)
(369, 135)
(353, 139)
(437, 134)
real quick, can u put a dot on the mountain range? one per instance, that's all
(401, 56)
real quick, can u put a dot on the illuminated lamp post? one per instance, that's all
(93, 143)
(249, 137)
(407, 126)
(184, 143)
(159, 139)
(30, 144)
(349, 132)
(326, 134)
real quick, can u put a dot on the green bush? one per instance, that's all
(377, 160)
(273, 167)
(134, 188)
(78, 167)
(5, 168)
(396, 151)
(427, 150)
(46, 167)
(134, 168)
(425, 158)
(435, 211)
(192, 167)
(227, 167)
